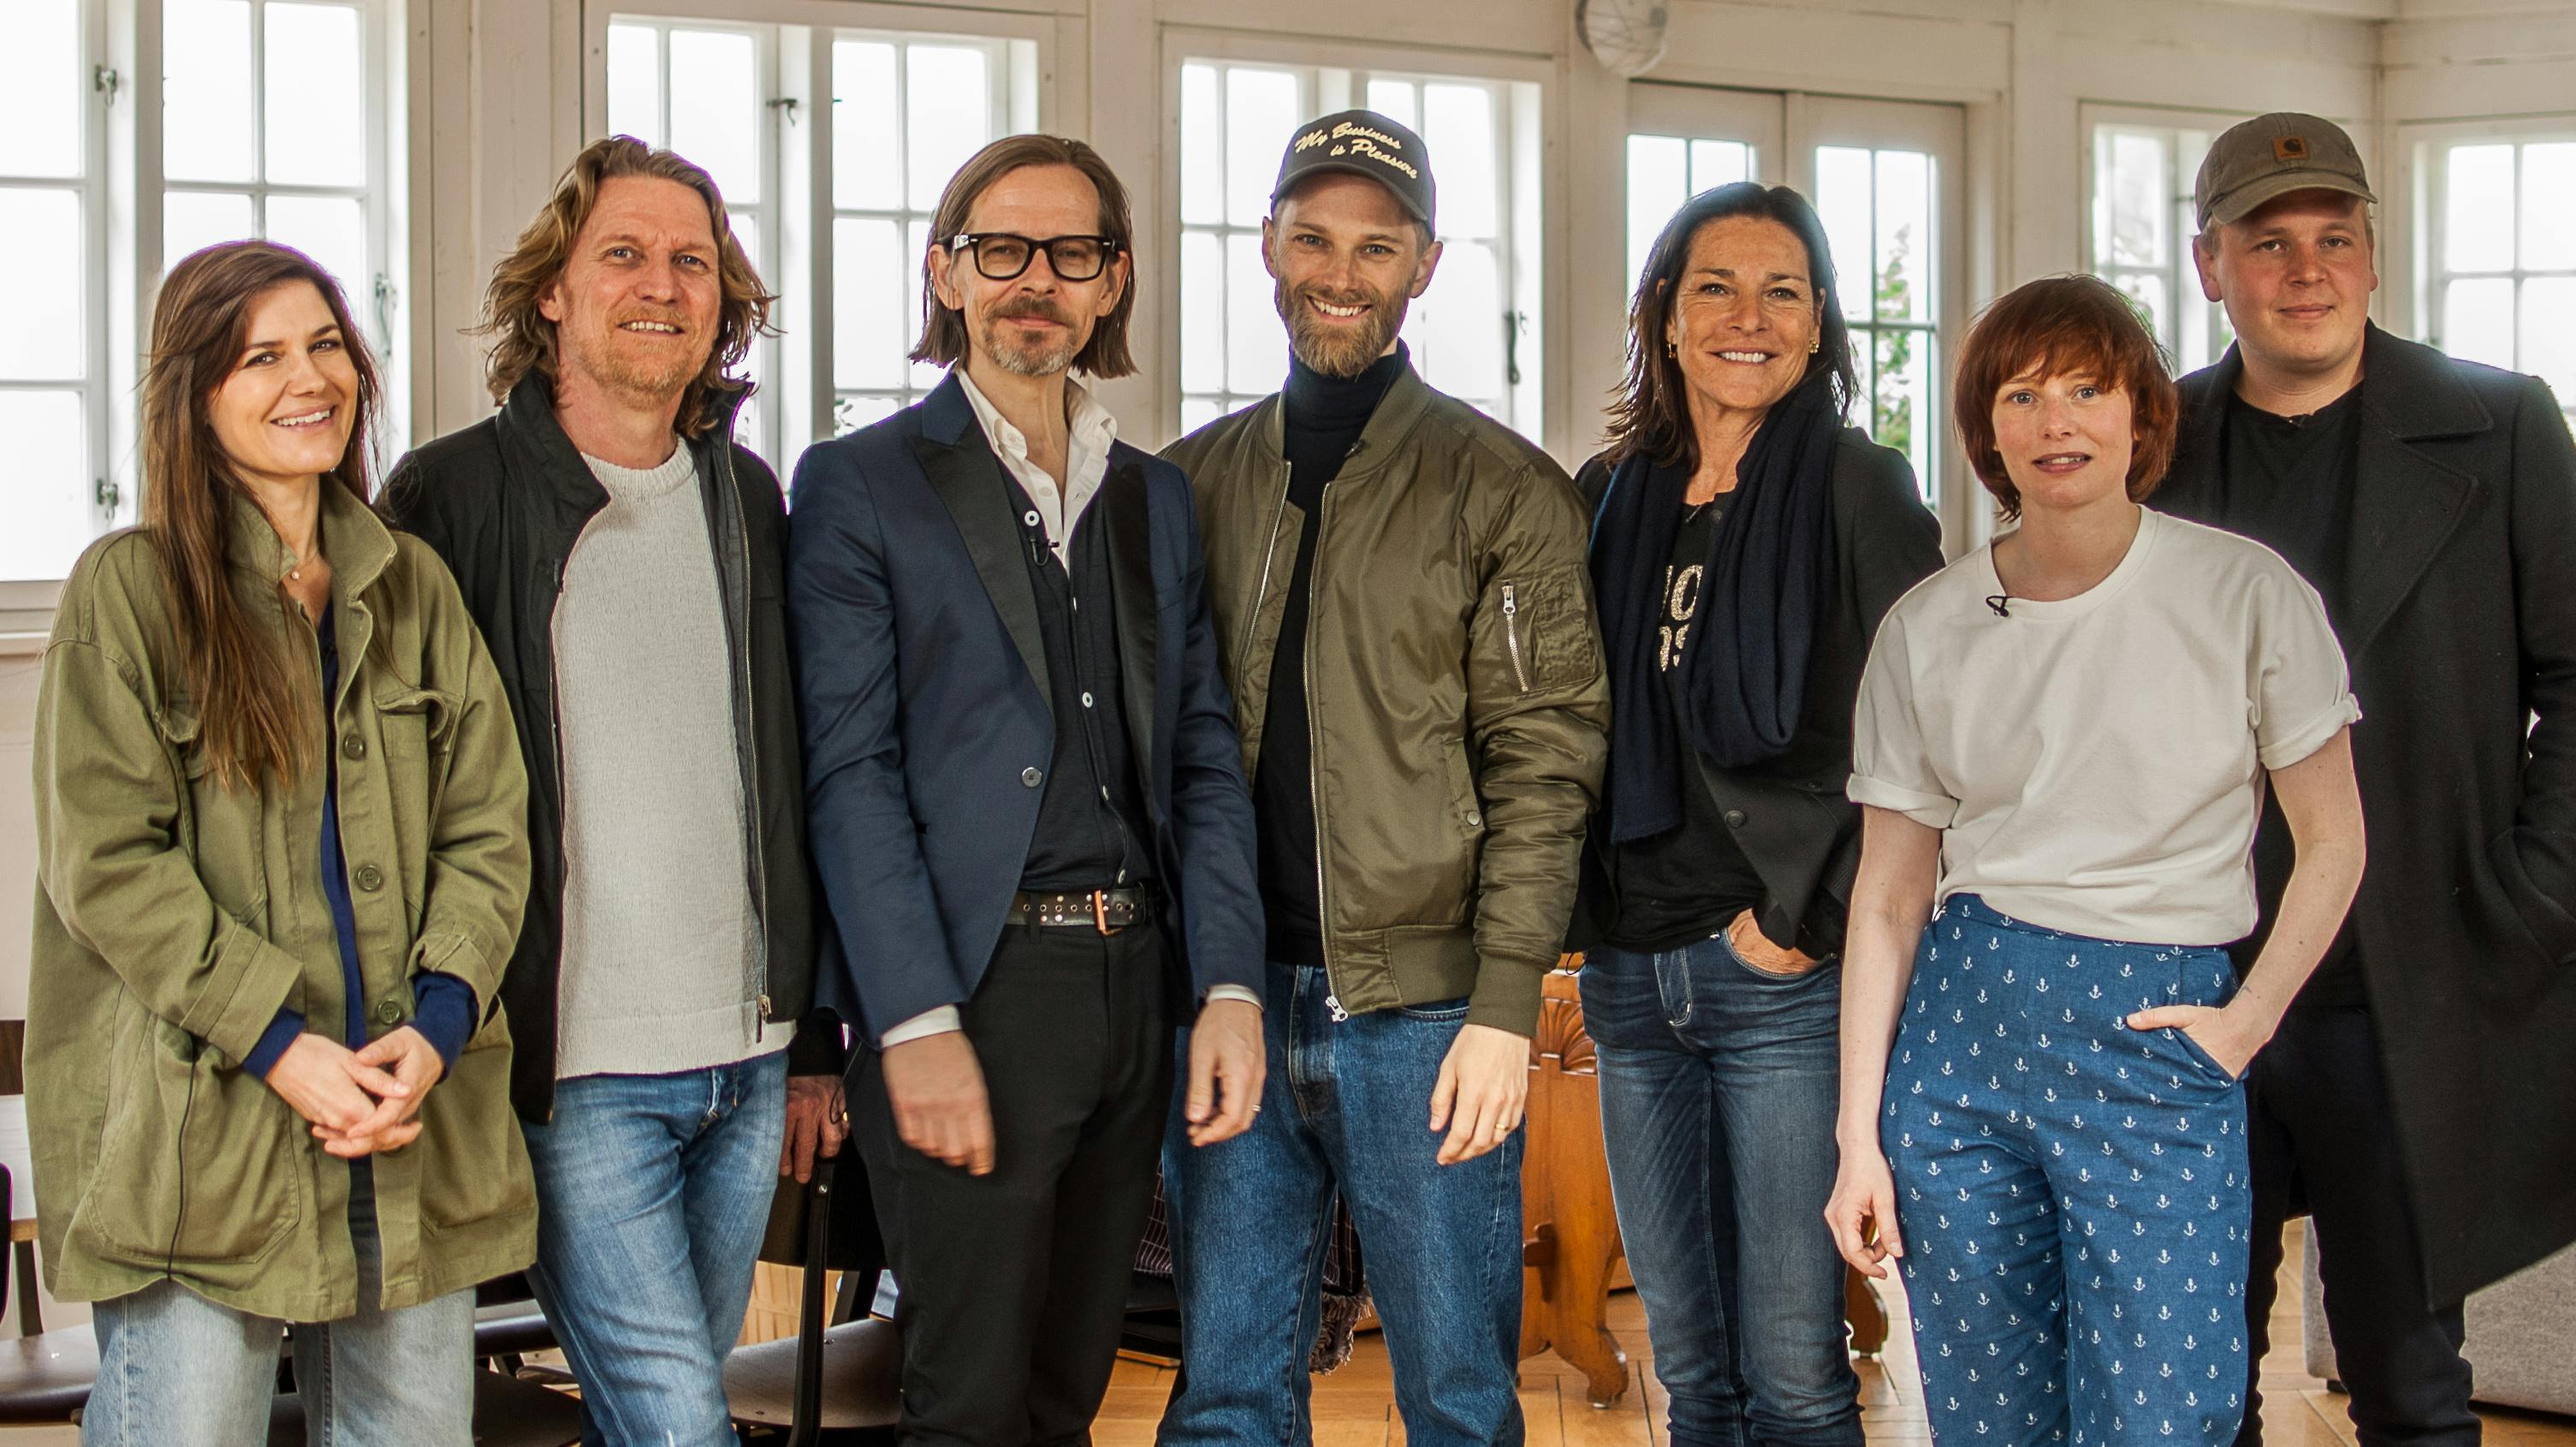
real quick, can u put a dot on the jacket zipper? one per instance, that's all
(1314, 777)
(1512, 635)
(731, 499)
(1278, 516)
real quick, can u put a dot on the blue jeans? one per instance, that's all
(1347, 1106)
(2073, 1193)
(175, 1369)
(652, 1194)
(1718, 1089)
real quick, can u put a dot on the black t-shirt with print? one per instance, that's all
(1688, 882)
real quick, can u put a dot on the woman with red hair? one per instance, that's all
(2061, 746)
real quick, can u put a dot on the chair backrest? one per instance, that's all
(853, 1244)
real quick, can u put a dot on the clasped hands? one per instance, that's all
(359, 1102)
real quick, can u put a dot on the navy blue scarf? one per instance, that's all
(1742, 682)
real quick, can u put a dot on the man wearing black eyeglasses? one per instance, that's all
(1028, 806)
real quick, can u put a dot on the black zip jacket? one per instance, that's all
(502, 502)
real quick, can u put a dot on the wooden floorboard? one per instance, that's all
(1355, 1407)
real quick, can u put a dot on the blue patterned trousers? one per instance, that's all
(2073, 1193)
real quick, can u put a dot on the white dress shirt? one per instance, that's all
(1060, 509)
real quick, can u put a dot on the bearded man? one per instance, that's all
(1028, 808)
(621, 554)
(1407, 630)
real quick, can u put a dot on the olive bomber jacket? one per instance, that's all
(174, 916)
(1454, 687)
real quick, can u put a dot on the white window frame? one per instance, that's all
(2412, 278)
(122, 192)
(798, 206)
(2180, 275)
(1327, 82)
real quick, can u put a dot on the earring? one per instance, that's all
(1815, 345)
(1669, 349)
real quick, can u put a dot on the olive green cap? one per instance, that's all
(2271, 156)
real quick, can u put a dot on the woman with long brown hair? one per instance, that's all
(1747, 541)
(281, 856)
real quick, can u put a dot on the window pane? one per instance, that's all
(1256, 346)
(1197, 412)
(1260, 112)
(2549, 212)
(1394, 100)
(868, 341)
(1842, 202)
(2130, 206)
(46, 338)
(48, 493)
(2148, 290)
(2477, 320)
(1459, 129)
(716, 108)
(1658, 183)
(333, 231)
(1904, 276)
(849, 414)
(1719, 163)
(207, 90)
(41, 89)
(1865, 371)
(1458, 325)
(316, 132)
(867, 165)
(1202, 313)
(746, 234)
(635, 83)
(2478, 194)
(1901, 413)
(1202, 163)
(194, 219)
(947, 116)
(2549, 333)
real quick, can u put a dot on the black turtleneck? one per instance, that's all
(1321, 421)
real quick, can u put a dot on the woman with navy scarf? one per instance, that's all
(1745, 544)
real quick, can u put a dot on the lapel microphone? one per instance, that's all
(1997, 601)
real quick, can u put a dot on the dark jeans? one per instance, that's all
(1013, 1285)
(1347, 1107)
(2320, 1132)
(1718, 1090)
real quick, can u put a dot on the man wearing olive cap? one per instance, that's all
(2419, 1099)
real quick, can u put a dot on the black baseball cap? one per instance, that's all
(1363, 143)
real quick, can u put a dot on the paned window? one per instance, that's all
(2499, 285)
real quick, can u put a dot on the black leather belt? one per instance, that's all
(1105, 910)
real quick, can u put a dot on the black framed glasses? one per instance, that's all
(1001, 256)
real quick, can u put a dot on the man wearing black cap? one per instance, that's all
(1406, 626)
(2419, 1100)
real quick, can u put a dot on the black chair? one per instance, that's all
(834, 1381)
(45, 1376)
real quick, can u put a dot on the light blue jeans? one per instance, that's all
(1346, 1108)
(176, 1370)
(652, 1193)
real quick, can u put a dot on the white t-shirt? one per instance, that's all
(2096, 764)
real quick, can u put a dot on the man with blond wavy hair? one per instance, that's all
(621, 554)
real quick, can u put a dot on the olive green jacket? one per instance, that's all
(174, 917)
(1455, 697)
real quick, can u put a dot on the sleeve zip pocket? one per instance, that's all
(1512, 635)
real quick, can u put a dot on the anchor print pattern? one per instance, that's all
(2072, 1192)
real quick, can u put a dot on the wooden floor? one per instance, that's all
(1355, 1407)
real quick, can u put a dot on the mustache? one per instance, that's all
(1030, 306)
(675, 319)
(1338, 298)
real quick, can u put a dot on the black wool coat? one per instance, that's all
(2459, 623)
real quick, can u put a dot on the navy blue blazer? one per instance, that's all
(927, 721)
